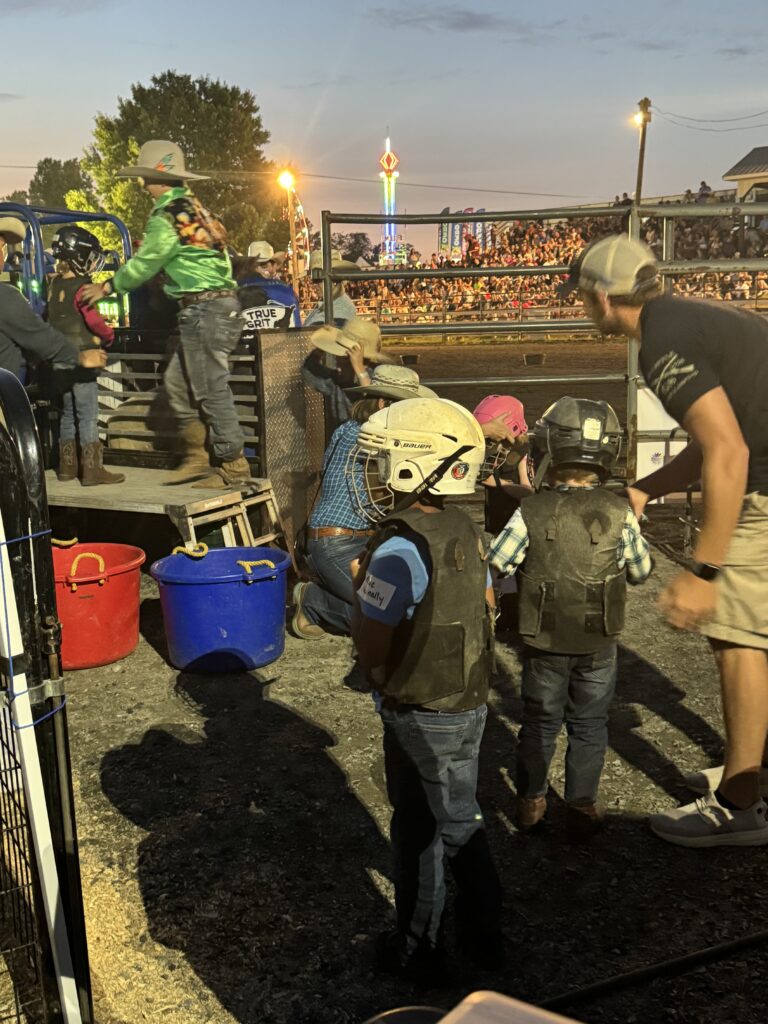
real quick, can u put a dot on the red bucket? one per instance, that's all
(97, 597)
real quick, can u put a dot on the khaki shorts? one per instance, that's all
(741, 616)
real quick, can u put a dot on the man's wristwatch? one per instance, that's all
(106, 287)
(704, 570)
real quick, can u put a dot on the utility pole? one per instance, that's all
(642, 120)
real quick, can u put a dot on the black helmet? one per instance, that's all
(78, 247)
(577, 432)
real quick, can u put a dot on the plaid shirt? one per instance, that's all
(336, 505)
(508, 550)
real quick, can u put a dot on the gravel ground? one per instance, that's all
(236, 867)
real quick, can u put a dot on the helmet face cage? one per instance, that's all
(366, 471)
(80, 249)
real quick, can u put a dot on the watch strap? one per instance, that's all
(704, 570)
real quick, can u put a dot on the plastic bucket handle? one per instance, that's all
(102, 577)
(200, 550)
(249, 567)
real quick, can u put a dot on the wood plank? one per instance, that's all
(142, 491)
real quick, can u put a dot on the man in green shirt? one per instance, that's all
(189, 245)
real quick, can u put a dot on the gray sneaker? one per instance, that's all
(706, 823)
(708, 779)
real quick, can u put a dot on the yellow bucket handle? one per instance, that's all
(64, 543)
(249, 567)
(200, 550)
(76, 562)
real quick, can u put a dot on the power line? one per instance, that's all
(699, 128)
(713, 120)
(375, 181)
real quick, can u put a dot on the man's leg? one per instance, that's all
(329, 603)
(744, 682)
(179, 392)
(220, 327)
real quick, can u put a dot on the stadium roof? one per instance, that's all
(755, 162)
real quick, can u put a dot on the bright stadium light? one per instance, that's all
(286, 180)
(638, 119)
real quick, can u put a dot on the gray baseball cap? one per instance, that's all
(611, 265)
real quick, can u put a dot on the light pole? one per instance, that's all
(287, 180)
(642, 119)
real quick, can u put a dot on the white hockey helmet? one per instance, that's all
(401, 448)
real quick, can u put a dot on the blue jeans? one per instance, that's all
(431, 760)
(576, 689)
(329, 603)
(196, 378)
(80, 413)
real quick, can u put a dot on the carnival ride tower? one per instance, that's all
(389, 175)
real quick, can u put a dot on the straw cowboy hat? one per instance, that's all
(337, 263)
(160, 160)
(12, 229)
(365, 333)
(392, 382)
(262, 252)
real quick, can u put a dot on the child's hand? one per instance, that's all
(93, 293)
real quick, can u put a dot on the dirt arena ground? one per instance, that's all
(233, 829)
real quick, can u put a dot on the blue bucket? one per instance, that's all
(222, 611)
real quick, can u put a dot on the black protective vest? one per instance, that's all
(572, 593)
(443, 656)
(63, 315)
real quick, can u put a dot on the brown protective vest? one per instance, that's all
(63, 315)
(572, 593)
(442, 657)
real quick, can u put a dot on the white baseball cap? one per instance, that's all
(611, 265)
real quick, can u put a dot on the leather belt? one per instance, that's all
(316, 532)
(192, 298)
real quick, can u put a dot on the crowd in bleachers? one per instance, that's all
(539, 243)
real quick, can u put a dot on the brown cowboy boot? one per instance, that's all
(195, 461)
(228, 474)
(67, 460)
(93, 471)
(530, 811)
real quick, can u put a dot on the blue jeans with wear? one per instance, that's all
(197, 376)
(431, 762)
(329, 603)
(577, 690)
(80, 413)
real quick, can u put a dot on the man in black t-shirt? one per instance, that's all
(708, 364)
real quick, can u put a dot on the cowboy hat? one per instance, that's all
(365, 333)
(392, 382)
(12, 229)
(160, 160)
(262, 252)
(337, 263)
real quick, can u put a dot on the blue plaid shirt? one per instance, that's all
(508, 550)
(336, 505)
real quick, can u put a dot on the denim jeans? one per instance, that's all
(576, 689)
(431, 761)
(329, 603)
(80, 413)
(196, 378)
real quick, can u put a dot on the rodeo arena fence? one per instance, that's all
(646, 423)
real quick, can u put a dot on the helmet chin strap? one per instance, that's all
(541, 470)
(408, 499)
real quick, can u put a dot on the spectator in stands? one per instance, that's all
(704, 192)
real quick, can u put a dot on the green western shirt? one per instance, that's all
(189, 267)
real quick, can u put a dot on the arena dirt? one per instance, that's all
(234, 853)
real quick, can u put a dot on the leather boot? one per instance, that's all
(93, 471)
(228, 474)
(530, 811)
(582, 821)
(195, 461)
(67, 460)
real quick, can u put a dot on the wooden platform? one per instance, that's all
(142, 491)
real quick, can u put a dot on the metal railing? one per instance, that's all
(669, 267)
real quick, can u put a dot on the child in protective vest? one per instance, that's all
(574, 545)
(78, 252)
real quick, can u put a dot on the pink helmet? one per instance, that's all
(508, 408)
(512, 416)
